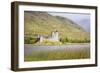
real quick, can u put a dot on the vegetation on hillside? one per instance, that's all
(42, 23)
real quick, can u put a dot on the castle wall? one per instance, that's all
(54, 37)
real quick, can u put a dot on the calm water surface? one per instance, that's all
(30, 48)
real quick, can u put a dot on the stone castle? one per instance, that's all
(54, 37)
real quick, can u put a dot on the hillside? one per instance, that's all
(42, 23)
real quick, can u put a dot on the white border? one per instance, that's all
(23, 64)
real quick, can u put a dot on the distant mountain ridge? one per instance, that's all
(42, 23)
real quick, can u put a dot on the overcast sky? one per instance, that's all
(82, 19)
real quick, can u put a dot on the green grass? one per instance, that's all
(62, 41)
(58, 55)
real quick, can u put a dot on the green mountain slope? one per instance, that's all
(42, 23)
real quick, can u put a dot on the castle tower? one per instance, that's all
(55, 36)
(41, 39)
